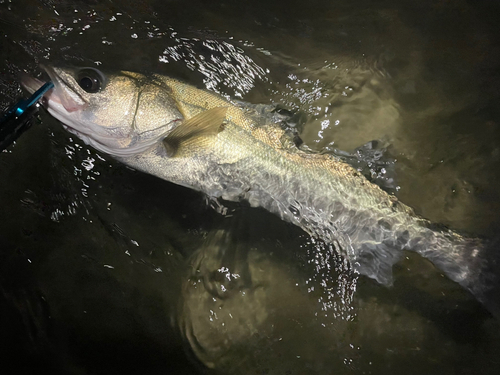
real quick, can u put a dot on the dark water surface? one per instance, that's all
(104, 270)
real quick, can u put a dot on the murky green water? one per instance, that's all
(106, 270)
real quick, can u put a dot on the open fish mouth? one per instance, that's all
(62, 93)
(60, 101)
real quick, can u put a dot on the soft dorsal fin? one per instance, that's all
(206, 123)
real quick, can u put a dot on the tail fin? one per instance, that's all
(471, 262)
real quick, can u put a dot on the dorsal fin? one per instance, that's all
(206, 123)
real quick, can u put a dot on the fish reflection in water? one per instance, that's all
(251, 303)
(246, 306)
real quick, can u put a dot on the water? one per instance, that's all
(106, 270)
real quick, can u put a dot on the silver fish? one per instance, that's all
(200, 140)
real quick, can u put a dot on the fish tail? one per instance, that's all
(472, 262)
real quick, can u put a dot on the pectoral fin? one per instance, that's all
(195, 130)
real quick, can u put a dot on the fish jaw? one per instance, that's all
(63, 93)
(69, 99)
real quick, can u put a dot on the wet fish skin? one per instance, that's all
(200, 140)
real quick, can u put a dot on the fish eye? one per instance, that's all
(91, 80)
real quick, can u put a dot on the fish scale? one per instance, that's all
(327, 198)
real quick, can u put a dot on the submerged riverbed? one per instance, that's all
(107, 270)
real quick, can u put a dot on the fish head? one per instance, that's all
(120, 114)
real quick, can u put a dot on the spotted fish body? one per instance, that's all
(200, 140)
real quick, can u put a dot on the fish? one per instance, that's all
(230, 150)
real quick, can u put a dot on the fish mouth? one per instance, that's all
(60, 101)
(62, 93)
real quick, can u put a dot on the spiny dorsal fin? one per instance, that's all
(204, 124)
